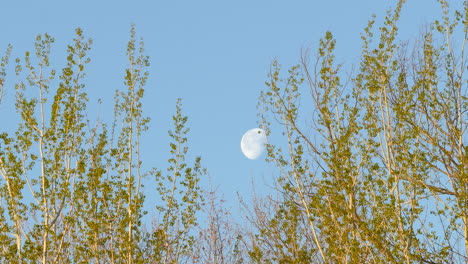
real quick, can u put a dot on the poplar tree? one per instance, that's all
(376, 167)
(172, 238)
(71, 192)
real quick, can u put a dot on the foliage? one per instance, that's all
(172, 239)
(378, 171)
(3, 63)
(72, 192)
(372, 168)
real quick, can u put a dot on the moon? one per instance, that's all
(253, 143)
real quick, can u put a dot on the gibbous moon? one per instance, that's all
(253, 143)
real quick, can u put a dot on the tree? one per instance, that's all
(378, 170)
(86, 176)
(373, 169)
(219, 240)
(172, 238)
(72, 192)
(3, 63)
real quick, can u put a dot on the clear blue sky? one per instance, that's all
(215, 55)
